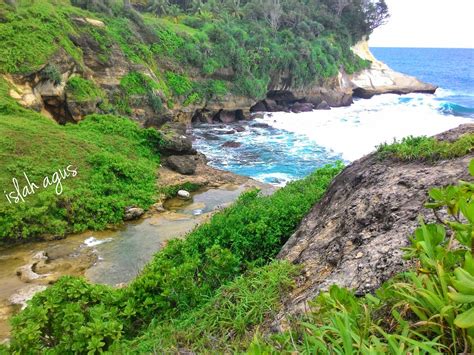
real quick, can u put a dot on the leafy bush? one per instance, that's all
(51, 72)
(426, 148)
(83, 90)
(135, 83)
(115, 160)
(430, 309)
(181, 278)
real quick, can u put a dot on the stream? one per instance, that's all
(112, 257)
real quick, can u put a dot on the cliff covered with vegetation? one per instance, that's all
(155, 58)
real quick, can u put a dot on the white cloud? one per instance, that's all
(427, 23)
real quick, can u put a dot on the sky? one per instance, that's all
(427, 23)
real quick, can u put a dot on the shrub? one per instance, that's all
(82, 90)
(181, 278)
(426, 148)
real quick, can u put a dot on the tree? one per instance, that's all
(272, 12)
(376, 14)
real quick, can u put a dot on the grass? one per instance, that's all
(116, 163)
(33, 33)
(426, 148)
(83, 90)
(182, 278)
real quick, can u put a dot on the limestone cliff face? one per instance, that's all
(380, 79)
(354, 235)
(52, 99)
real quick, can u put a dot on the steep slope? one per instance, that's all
(354, 235)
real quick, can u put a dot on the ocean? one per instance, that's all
(281, 146)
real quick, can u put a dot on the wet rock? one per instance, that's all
(132, 213)
(158, 207)
(27, 275)
(240, 129)
(323, 106)
(183, 164)
(184, 194)
(354, 235)
(25, 294)
(259, 107)
(231, 144)
(302, 107)
(260, 125)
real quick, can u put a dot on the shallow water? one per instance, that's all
(119, 255)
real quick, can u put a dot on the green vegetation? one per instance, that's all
(172, 191)
(32, 33)
(81, 89)
(181, 279)
(217, 291)
(426, 148)
(116, 164)
(192, 48)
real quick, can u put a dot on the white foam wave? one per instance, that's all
(356, 130)
(92, 242)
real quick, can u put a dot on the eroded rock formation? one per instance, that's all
(354, 235)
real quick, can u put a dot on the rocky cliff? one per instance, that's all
(354, 235)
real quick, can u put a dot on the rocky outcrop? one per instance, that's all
(380, 79)
(354, 235)
(183, 164)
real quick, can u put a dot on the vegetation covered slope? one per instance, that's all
(206, 295)
(196, 51)
(114, 161)
(74, 316)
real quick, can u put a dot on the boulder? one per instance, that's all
(183, 164)
(175, 141)
(226, 116)
(323, 106)
(231, 144)
(302, 107)
(239, 129)
(184, 194)
(132, 213)
(354, 236)
(259, 107)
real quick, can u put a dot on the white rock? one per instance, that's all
(184, 194)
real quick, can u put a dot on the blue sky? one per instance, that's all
(427, 23)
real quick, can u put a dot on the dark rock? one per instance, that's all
(259, 107)
(132, 213)
(226, 116)
(273, 106)
(239, 129)
(260, 125)
(323, 106)
(353, 237)
(79, 110)
(183, 164)
(302, 107)
(231, 144)
(175, 140)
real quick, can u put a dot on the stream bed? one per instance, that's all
(112, 257)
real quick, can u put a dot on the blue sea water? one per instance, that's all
(451, 69)
(281, 147)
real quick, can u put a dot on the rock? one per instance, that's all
(132, 213)
(41, 255)
(260, 125)
(175, 140)
(323, 106)
(25, 294)
(184, 194)
(239, 129)
(231, 144)
(80, 109)
(273, 106)
(302, 107)
(27, 275)
(227, 116)
(259, 107)
(354, 235)
(380, 79)
(183, 164)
